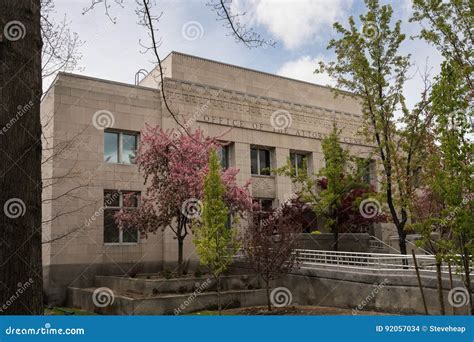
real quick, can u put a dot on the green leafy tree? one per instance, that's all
(335, 189)
(369, 65)
(216, 243)
(448, 175)
(447, 25)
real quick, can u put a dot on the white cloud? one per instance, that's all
(303, 69)
(293, 22)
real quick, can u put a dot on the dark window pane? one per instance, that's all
(300, 160)
(111, 198)
(111, 147)
(130, 199)
(111, 230)
(365, 170)
(266, 204)
(264, 162)
(224, 156)
(129, 147)
(254, 161)
(130, 235)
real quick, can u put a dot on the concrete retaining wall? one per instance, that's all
(359, 242)
(363, 290)
(152, 286)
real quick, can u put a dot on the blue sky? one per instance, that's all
(302, 29)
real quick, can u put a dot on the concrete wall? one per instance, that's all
(73, 199)
(325, 242)
(363, 290)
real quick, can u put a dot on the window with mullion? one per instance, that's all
(260, 162)
(120, 147)
(298, 162)
(113, 202)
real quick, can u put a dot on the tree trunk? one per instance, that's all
(180, 255)
(219, 304)
(400, 224)
(465, 257)
(402, 243)
(269, 303)
(21, 279)
(440, 287)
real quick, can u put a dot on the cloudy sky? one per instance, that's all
(302, 29)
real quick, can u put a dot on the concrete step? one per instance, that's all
(107, 302)
(153, 285)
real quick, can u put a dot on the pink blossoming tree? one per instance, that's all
(174, 167)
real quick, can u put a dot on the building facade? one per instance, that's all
(92, 128)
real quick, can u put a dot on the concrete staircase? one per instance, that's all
(153, 295)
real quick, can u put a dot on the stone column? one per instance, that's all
(283, 184)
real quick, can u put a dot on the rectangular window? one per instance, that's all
(265, 203)
(260, 162)
(224, 155)
(113, 202)
(366, 170)
(120, 147)
(298, 162)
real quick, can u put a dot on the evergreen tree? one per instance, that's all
(216, 243)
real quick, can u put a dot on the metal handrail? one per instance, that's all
(369, 261)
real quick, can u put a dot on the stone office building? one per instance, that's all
(264, 119)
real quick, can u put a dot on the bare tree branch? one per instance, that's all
(239, 31)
